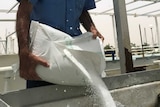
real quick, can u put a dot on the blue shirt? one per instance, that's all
(61, 14)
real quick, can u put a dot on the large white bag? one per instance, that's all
(54, 46)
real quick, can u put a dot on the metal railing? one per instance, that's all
(5, 42)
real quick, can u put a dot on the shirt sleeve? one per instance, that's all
(89, 4)
(32, 1)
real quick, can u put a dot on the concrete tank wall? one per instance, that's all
(144, 95)
(138, 89)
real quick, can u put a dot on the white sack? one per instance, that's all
(50, 44)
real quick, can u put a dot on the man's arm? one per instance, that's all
(28, 61)
(88, 24)
(22, 26)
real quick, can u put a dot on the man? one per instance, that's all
(64, 15)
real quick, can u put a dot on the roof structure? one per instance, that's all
(105, 7)
(133, 7)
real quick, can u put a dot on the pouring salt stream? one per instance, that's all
(95, 82)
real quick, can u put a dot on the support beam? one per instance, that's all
(115, 35)
(7, 20)
(5, 11)
(12, 7)
(157, 32)
(123, 36)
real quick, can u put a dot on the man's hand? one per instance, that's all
(28, 65)
(96, 33)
